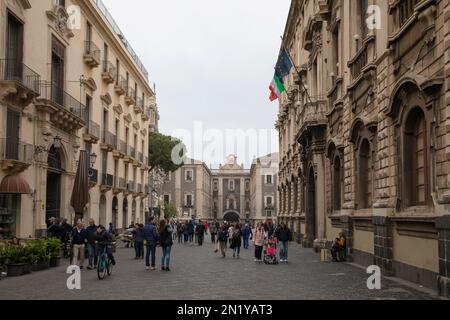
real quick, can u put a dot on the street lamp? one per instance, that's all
(57, 143)
(93, 159)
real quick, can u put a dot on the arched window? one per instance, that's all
(364, 176)
(337, 184)
(416, 155)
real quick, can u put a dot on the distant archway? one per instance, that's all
(232, 216)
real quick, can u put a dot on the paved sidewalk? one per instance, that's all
(199, 274)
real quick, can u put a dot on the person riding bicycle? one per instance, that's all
(105, 240)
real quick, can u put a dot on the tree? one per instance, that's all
(165, 153)
(170, 211)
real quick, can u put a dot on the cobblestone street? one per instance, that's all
(199, 274)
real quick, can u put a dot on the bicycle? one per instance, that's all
(104, 266)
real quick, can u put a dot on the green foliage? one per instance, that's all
(160, 152)
(54, 247)
(170, 211)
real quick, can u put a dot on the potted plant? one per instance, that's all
(54, 247)
(17, 260)
(39, 257)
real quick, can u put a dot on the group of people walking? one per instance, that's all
(95, 239)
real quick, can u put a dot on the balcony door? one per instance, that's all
(14, 49)
(58, 53)
(12, 135)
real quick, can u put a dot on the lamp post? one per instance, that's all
(57, 143)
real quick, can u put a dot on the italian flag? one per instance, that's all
(276, 88)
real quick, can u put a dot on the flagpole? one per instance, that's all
(296, 70)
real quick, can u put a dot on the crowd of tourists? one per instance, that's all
(145, 239)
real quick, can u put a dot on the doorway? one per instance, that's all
(53, 196)
(311, 232)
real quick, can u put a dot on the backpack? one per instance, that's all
(236, 234)
(222, 235)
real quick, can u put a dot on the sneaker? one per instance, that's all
(168, 269)
(153, 268)
(89, 268)
(256, 260)
(163, 269)
(147, 268)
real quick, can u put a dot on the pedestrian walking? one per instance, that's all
(246, 235)
(213, 231)
(259, 239)
(180, 231)
(138, 238)
(201, 230)
(91, 246)
(223, 239)
(174, 226)
(152, 237)
(67, 227)
(236, 241)
(79, 240)
(191, 231)
(166, 241)
(283, 235)
(186, 232)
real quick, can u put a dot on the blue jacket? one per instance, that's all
(150, 233)
(90, 234)
(246, 231)
(79, 237)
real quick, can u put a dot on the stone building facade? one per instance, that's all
(189, 189)
(70, 81)
(365, 135)
(263, 190)
(230, 193)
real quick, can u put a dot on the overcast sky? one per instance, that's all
(212, 61)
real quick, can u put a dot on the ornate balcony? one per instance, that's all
(109, 141)
(15, 156)
(120, 86)
(131, 186)
(130, 97)
(123, 148)
(146, 114)
(91, 54)
(109, 72)
(312, 115)
(132, 152)
(66, 112)
(92, 134)
(107, 182)
(139, 106)
(116, 186)
(19, 85)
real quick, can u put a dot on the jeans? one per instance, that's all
(284, 250)
(165, 260)
(139, 249)
(258, 252)
(191, 237)
(186, 237)
(237, 250)
(151, 250)
(246, 242)
(93, 254)
(213, 238)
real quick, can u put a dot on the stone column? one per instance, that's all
(320, 195)
(383, 244)
(443, 227)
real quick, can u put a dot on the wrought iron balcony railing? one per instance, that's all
(91, 54)
(107, 180)
(110, 139)
(16, 150)
(94, 129)
(123, 147)
(61, 99)
(13, 70)
(109, 71)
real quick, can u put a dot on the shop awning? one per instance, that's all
(14, 185)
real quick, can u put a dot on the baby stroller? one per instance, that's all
(270, 252)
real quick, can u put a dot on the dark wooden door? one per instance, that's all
(12, 135)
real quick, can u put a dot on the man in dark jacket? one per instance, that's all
(283, 235)
(92, 248)
(138, 238)
(200, 232)
(191, 231)
(79, 240)
(152, 237)
(105, 241)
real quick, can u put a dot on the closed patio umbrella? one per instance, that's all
(80, 193)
